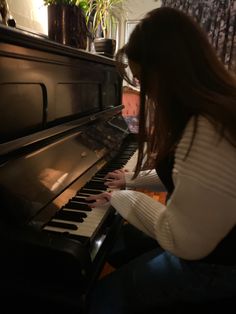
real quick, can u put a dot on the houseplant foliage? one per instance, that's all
(106, 13)
(101, 16)
(102, 13)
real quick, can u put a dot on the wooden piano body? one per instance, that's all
(61, 128)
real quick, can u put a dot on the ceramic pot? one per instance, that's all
(67, 25)
(105, 46)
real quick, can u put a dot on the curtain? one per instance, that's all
(218, 19)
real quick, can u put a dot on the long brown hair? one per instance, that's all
(181, 77)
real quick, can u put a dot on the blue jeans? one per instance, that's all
(160, 279)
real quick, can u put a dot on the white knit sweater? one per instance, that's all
(146, 180)
(202, 208)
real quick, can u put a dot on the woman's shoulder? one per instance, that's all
(206, 157)
(205, 129)
(206, 136)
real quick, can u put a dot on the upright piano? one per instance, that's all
(61, 131)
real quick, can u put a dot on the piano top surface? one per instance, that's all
(23, 38)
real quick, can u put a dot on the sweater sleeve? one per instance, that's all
(201, 210)
(146, 180)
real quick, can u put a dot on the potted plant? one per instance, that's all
(67, 22)
(105, 14)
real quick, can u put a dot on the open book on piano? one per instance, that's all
(61, 131)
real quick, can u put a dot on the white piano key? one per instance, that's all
(86, 228)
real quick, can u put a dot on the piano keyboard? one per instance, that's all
(76, 218)
(130, 165)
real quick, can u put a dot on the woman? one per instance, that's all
(188, 110)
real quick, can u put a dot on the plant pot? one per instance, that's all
(67, 25)
(105, 46)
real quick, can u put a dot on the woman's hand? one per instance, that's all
(99, 199)
(116, 179)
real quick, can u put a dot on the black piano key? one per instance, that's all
(99, 178)
(95, 185)
(76, 205)
(82, 194)
(69, 215)
(90, 191)
(63, 225)
(81, 200)
(101, 174)
(79, 213)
